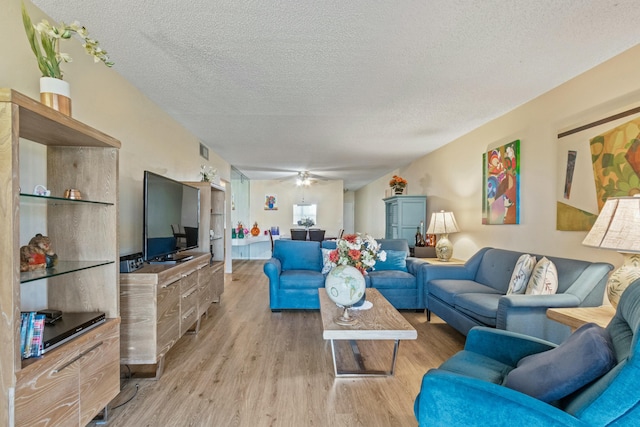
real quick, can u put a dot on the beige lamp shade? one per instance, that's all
(442, 223)
(618, 228)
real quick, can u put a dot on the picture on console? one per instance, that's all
(501, 185)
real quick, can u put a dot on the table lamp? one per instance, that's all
(618, 228)
(442, 223)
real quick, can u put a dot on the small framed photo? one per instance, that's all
(204, 151)
(270, 202)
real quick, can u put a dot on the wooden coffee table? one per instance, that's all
(380, 322)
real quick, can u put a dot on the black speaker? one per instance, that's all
(131, 263)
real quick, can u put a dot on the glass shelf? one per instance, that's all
(61, 267)
(33, 198)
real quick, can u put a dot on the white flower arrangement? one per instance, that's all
(44, 39)
(207, 173)
(357, 251)
(306, 222)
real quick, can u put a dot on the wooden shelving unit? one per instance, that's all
(72, 383)
(212, 220)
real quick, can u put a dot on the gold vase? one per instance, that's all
(56, 93)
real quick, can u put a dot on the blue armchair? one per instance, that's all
(295, 274)
(466, 389)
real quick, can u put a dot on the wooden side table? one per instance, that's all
(574, 317)
(436, 261)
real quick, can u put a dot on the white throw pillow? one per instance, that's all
(326, 264)
(521, 274)
(544, 279)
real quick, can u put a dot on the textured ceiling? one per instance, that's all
(346, 89)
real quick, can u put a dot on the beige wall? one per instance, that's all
(103, 99)
(328, 195)
(369, 204)
(451, 177)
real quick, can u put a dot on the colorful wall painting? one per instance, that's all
(270, 202)
(501, 188)
(593, 165)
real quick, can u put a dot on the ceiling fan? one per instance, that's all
(303, 179)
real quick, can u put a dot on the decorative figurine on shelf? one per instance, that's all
(41, 190)
(241, 231)
(255, 231)
(37, 254)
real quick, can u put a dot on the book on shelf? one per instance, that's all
(23, 331)
(38, 333)
(31, 334)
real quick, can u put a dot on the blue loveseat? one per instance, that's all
(295, 274)
(467, 389)
(475, 294)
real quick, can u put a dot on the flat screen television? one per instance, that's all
(171, 218)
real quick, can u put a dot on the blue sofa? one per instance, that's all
(295, 274)
(467, 389)
(475, 294)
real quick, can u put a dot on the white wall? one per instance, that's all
(451, 177)
(102, 98)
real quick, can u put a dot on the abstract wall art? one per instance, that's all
(596, 162)
(501, 185)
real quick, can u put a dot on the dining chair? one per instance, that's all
(180, 235)
(298, 234)
(316, 235)
(271, 238)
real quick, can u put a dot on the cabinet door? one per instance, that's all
(168, 322)
(139, 322)
(188, 302)
(47, 391)
(391, 220)
(205, 277)
(218, 282)
(99, 372)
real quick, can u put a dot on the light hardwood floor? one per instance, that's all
(251, 367)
